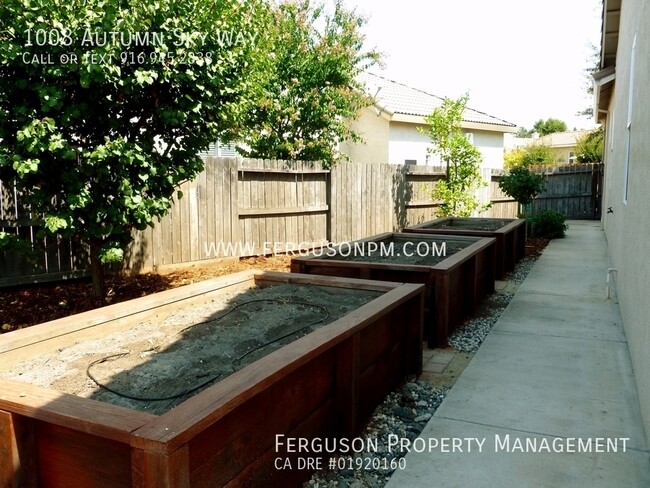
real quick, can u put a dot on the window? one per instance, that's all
(227, 150)
(470, 137)
(572, 157)
(218, 149)
(410, 161)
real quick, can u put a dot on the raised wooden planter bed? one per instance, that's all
(454, 285)
(323, 385)
(509, 233)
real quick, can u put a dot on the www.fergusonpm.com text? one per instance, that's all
(345, 249)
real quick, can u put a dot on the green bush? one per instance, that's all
(13, 243)
(589, 148)
(532, 154)
(549, 224)
(522, 184)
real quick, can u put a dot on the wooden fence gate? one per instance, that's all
(573, 190)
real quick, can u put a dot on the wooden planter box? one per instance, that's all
(511, 237)
(325, 385)
(453, 286)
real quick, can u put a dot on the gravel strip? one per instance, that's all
(474, 331)
(405, 412)
(521, 270)
(471, 335)
(402, 415)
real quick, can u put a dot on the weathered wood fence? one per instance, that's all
(573, 190)
(250, 207)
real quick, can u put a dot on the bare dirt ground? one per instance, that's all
(490, 225)
(148, 369)
(28, 305)
(160, 362)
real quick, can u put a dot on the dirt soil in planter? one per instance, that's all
(489, 225)
(159, 363)
(411, 254)
(33, 304)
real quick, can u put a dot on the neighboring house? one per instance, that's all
(563, 144)
(510, 141)
(622, 104)
(390, 127)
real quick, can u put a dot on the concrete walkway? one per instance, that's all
(554, 374)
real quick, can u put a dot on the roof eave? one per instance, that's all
(419, 119)
(611, 18)
(382, 111)
(489, 127)
(605, 79)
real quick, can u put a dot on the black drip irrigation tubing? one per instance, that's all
(237, 361)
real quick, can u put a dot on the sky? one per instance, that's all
(519, 60)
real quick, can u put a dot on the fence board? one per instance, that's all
(284, 204)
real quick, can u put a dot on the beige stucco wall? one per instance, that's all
(628, 227)
(562, 154)
(491, 146)
(397, 142)
(406, 142)
(374, 130)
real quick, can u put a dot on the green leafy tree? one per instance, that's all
(105, 104)
(531, 154)
(522, 184)
(589, 148)
(522, 132)
(462, 159)
(312, 92)
(549, 126)
(592, 66)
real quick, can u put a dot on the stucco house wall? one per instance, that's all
(407, 143)
(491, 146)
(374, 129)
(627, 227)
(563, 154)
(390, 126)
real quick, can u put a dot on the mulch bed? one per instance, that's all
(535, 246)
(33, 304)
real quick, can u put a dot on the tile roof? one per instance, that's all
(398, 98)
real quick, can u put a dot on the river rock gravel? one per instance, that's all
(398, 420)
(404, 413)
(473, 332)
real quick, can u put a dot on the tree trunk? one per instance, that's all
(97, 271)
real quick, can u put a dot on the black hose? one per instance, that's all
(237, 361)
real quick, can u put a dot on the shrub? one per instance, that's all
(12, 243)
(589, 148)
(522, 184)
(533, 154)
(549, 224)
